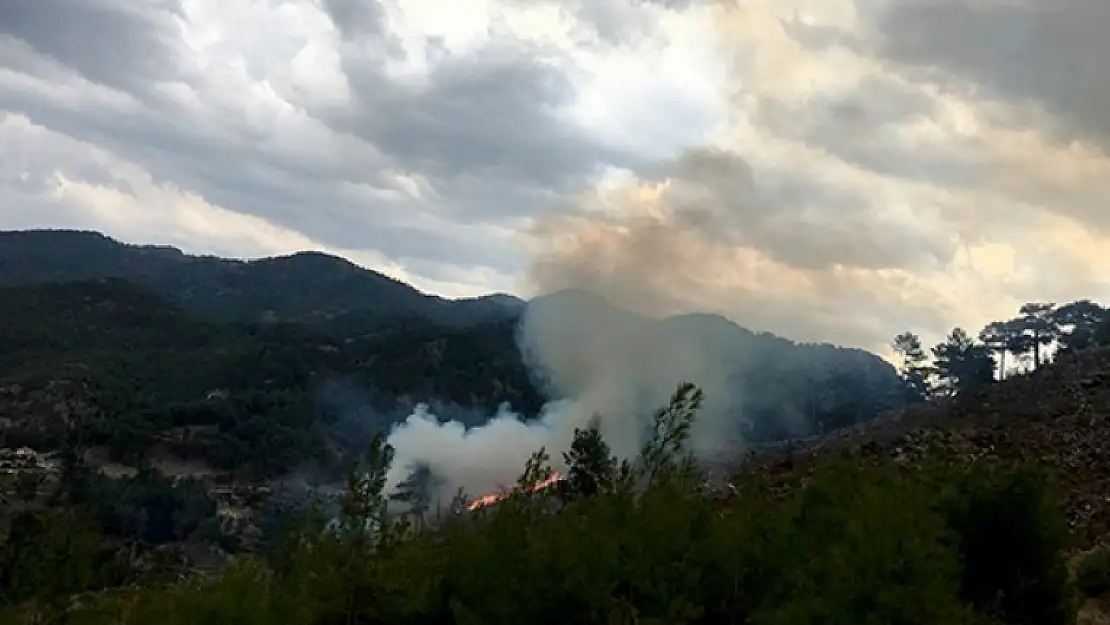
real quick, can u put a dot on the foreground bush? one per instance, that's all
(639, 544)
(1011, 538)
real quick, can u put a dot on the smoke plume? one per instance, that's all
(595, 359)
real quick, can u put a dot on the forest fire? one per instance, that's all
(492, 498)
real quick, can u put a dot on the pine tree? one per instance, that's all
(961, 363)
(664, 456)
(915, 371)
(591, 468)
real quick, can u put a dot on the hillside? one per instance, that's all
(140, 370)
(299, 287)
(134, 370)
(1057, 417)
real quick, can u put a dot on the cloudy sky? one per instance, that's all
(825, 169)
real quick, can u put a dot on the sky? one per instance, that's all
(830, 170)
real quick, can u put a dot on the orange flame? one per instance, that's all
(492, 498)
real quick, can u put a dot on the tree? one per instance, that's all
(914, 371)
(1079, 324)
(362, 506)
(1100, 334)
(73, 479)
(591, 467)
(1037, 324)
(417, 491)
(1001, 337)
(908, 346)
(961, 363)
(664, 455)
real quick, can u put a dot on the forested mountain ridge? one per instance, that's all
(272, 396)
(136, 369)
(302, 286)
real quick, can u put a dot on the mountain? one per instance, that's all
(140, 373)
(299, 287)
(134, 369)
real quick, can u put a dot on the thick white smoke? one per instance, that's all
(600, 360)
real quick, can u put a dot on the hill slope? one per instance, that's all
(303, 286)
(1057, 417)
(139, 368)
(130, 369)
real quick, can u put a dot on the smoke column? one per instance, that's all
(656, 243)
(598, 360)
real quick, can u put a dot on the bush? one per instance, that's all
(1012, 539)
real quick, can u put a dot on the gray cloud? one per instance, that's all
(1049, 53)
(357, 17)
(490, 114)
(115, 43)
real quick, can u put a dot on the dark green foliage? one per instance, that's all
(362, 506)
(664, 457)
(1100, 333)
(1036, 328)
(962, 364)
(92, 538)
(249, 399)
(51, 554)
(417, 491)
(854, 546)
(915, 371)
(847, 545)
(844, 551)
(149, 507)
(1011, 541)
(790, 390)
(1092, 574)
(591, 467)
(1079, 325)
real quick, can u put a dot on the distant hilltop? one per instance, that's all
(296, 287)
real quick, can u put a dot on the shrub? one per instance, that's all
(855, 546)
(1012, 538)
